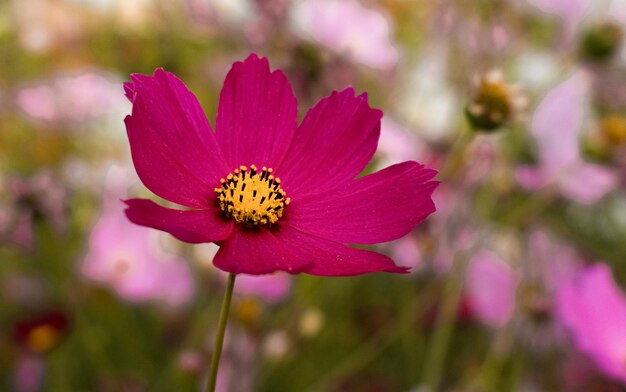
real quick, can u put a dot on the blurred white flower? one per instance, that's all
(536, 70)
(428, 102)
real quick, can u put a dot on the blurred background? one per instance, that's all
(516, 280)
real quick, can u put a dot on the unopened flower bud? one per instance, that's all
(602, 41)
(494, 103)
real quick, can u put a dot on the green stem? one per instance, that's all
(219, 337)
(444, 327)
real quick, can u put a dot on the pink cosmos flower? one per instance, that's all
(593, 308)
(63, 98)
(491, 288)
(28, 374)
(29, 198)
(273, 194)
(348, 28)
(123, 256)
(556, 126)
(270, 288)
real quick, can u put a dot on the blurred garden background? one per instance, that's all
(517, 280)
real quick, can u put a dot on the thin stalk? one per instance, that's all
(444, 328)
(219, 337)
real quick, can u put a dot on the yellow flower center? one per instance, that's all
(42, 338)
(251, 196)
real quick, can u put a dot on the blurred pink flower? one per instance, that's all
(549, 265)
(406, 251)
(28, 373)
(75, 97)
(551, 262)
(451, 226)
(348, 28)
(123, 256)
(593, 309)
(36, 197)
(556, 127)
(491, 286)
(398, 144)
(271, 288)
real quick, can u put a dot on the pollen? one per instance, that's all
(252, 196)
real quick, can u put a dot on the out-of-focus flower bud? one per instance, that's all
(42, 332)
(613, 130)
(600, 42)
(608, 142)
(494, 103)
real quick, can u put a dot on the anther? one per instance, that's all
(255, 199)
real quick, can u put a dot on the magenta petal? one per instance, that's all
(287, 249)
(330, 258)
(256, 116)
(189, 226)
(376, 208)
(334, 143)
(255, 252)
(173, 147)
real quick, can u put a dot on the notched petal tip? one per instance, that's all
(160, 72)
(398, 270)
(349, 93)
(254, 60)
(254, 57)
(140, 81)
(129, 91)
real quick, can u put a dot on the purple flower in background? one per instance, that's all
(346, 27)
(593, 309)
(125, 257)
(63, 98)
(549, 264)
(271, 288)
(28, 373)
(491, 286)
(398, 144)
(552, 263)
(556, 127)
(39, 197)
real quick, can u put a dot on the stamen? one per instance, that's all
(250, 196)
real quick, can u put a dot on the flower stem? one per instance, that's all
(219, 337)
(444, 327)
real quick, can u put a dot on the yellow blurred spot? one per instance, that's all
(311, 322)
(43, 338)
(248, 310)
(613, 130)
